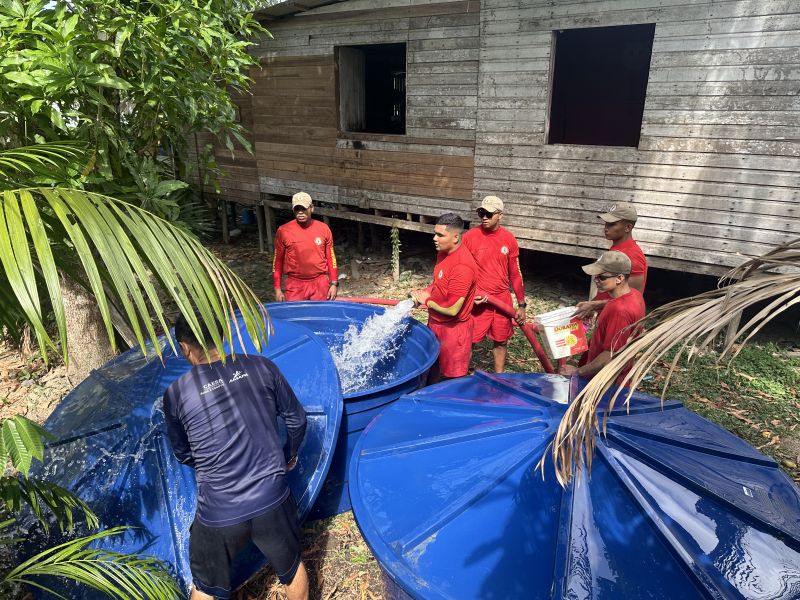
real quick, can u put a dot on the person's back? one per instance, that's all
(221, 419)
(228, 412)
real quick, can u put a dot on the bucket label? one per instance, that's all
(572, 326)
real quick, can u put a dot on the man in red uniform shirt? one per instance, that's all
(496, 254)
(304, 251)
(618, 227)
(611, 273)
(449, 299)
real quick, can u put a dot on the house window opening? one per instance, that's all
(372, 88)
(599, 85)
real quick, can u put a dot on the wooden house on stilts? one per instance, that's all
(395, 111)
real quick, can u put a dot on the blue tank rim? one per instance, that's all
(410, 582)
(431, 358)
(397, 571)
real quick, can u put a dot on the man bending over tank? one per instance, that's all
(449, 299)
(221, 420)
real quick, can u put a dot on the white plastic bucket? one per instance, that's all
(563, 335)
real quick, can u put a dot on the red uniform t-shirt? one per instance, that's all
(638, 263)
(496, 255)
(303, 252)
(453, 278)
(611, 332)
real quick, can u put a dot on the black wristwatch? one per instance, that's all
(522, 304)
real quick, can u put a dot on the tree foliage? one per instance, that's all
(132, 79)
(118, 251)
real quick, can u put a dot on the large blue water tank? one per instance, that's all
(113, 452)
(404, 372)
(446, 492)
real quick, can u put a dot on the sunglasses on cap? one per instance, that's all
(483, 213)
(604, 277)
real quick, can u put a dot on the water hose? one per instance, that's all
(381, 301)
(529, 330)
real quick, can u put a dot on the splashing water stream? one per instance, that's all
(368, 347)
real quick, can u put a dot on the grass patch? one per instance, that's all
(756, 397)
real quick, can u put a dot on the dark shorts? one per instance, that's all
(212, 549)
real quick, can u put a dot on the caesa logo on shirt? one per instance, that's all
(318, 241)
(441, 273)
(504, 250)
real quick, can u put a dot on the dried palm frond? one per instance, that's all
(691, 325)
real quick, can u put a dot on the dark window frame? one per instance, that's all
(370, 132)
(580, 58)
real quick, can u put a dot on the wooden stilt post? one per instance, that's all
(360, 244)
(226, 237)
(733, 327)
(269, 214)
(374, 237)
(259, 209)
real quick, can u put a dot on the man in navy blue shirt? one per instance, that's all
(222, 420)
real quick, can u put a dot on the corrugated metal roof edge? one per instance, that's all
(290, 7)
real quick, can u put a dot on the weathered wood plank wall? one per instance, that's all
(298, 144)
(716, 175)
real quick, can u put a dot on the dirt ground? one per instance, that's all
(339, 561)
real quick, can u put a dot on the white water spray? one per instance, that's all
(368, 347)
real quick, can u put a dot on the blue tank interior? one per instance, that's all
(446, 492)
(406, 372)
(112, 449)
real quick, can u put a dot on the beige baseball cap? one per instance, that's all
(492, 204)
(301, 199)
(610, 262)
(620, 212)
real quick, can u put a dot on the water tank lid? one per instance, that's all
(446, 492)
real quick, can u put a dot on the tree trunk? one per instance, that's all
(88, 346)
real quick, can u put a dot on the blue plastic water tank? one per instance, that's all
(405, 373)
(112, 449)
(446, 492)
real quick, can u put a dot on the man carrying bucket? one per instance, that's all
(611, 274)
(618, 224)
(304, 251)
(496, 254)
(221, 420)
(449, 299)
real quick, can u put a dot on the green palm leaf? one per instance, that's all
(116, 575)
(39, 495)
(42, 159)
(120, 248)
(22, 440)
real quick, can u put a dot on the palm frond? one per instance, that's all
(43, 498)
(691, 325)
(30, 161)
(22, 440)
(125, 248)
(114, 574)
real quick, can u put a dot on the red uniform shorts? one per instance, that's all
(491, 322)
(455, 341)
(307, 289)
